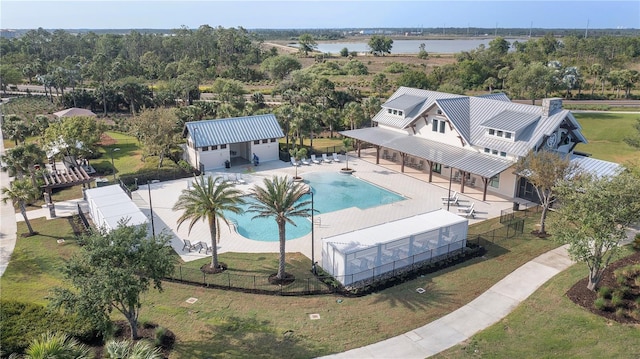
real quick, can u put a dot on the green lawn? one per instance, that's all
(225, 324)
(549, 325)
(605, 133)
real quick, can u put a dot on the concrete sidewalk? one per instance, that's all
(484, 311)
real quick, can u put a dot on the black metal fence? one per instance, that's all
(376, 276)
(519, 210)
(250, 283)
(83, 218)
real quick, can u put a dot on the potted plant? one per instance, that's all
(347, 142)
(297, 154)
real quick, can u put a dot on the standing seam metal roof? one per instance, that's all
(468, 115)
(456, 157)
(234, 130)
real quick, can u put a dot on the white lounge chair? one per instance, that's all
(451, 200)
(314, 159)
(305, 161)
(294, 162)
(468, 211)
(335, 157)
(325, 158)
(189, 246)
(205, 246)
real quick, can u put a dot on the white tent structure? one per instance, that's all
(366, 253)
(109, 205)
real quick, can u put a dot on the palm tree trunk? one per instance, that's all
(283, 240)
(214, 243)
(23, 211)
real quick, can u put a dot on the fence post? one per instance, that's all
(180, 270)
(254, 282)
(204, 278)
(229, 279)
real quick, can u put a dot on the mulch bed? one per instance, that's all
(147, 331)
(208, 269)
(584, 297)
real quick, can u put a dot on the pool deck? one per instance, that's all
(421, 197)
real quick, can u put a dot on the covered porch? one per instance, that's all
(468, 170)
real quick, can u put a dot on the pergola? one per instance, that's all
(467, 162)
(67, 177)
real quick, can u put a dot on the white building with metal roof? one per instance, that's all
(471, 139)
(213, 144)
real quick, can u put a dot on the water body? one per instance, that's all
(413, 46)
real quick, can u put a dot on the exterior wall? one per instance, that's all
(424, 129)
(265, 151)
(214, 159)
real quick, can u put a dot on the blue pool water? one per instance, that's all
(331, 192)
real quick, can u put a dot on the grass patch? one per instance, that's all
(239, 324)
(37, 261)
(605, 133)
(550, 325)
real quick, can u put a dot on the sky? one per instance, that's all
(308, 14)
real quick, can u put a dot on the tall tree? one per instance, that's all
(22, 192)
(545, 170)
(380, 45)
(15, 128)
(307, 44)
(280, 66)
(78, 134)
(112, 271)
(279, 197)
(157, 129)
(592, 218)
(208, 200)
(9, 75)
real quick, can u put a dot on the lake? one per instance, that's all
(413, 46)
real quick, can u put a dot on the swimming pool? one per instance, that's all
(332, 192)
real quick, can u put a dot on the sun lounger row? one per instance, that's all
(468, 212)
(453, 200)
(316, 160)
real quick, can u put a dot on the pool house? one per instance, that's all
(220, 143)
(356, 257)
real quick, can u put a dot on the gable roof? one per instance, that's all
(74, 112)
(428, 99)
(233, 130)
(471, 115)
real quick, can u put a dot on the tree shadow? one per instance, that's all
(245, 338)
(410, 298)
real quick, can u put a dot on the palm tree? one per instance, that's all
(208, 200)
(279, 198)
(22, 192)
(57, 345)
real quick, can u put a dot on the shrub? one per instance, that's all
(617, 299)
(636, 242)
(620, 313)
(604, 292)
(24, 322)
(600, 304)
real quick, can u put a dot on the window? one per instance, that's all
(213, 148)
(222, 147)
(389, 110)
(487, 150)
(256, 142)
(495, 181)
(205, 148)
(437, 168)
(400, 113)
(273, 140)
(265, 141)
(395, 112)
(503, 154)
(494, 152)
(442, 124)
(434, 127)
(492, 131)
(507, 135)
(499, 133)
(439, 112)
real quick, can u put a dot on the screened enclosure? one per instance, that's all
(362, 254)
(109, 205)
